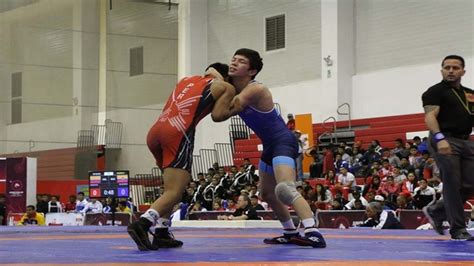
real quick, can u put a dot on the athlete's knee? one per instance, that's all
(286, 192)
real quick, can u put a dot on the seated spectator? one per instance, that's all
(244, 211)
(357, 197)
(42, 205)
(378, 218)
(197, 207)
(254, 202)
(330, 179)
(216, 206)
(359, 206)
(31, 217)
(406, 150)
(393, 159)
(398, 148)
(231, 206)
(405, 167)
(322, 197)
(423, 195)
(398, 177)
(71, 204)
(122, 207)
(94, 206)
(423, 145)
(386, 169)
(81, 202)
(3, 210)
(346, 181)
(409, 185)
(372, 186)
(54, 205)
(404, 204)
(338, 202)
(389, 189)
(107, 206)
(370, 196)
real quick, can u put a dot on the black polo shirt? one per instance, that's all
(456, 114)
(249, 211)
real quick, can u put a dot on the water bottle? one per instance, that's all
(224, 204)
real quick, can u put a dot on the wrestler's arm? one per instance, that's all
(247, 97)
(223, 92)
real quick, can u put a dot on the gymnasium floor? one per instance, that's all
(94, 245)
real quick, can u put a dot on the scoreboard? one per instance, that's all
(103, 184)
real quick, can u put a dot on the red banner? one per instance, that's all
(16, 185)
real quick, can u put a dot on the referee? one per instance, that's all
(449, 115)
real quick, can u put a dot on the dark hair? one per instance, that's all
(80, 193)
(31, 206)
(255, 61)
(254, 197)
(457, 57)
(223, 69)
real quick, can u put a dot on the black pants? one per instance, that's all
(457, 174)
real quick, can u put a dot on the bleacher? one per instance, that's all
(385, 129)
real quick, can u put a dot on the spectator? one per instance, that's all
(81, 202)
(244, 211)
(316, 167)
(299, 159)
(359, 206)
(423, 195)
(386, 170)
(197, 207)
(406, 150)
(31, 217)
(71, 204)
(3, 210)
(372, 186)
(378, 218)
(122, 207)
(398, 177)
(216, 206)
(94, 206)
(408, 186)
(323, 196)
(328, 161)
(42, 205)
(398, 149)
(404, 204)
(338, 202)
(357, 197)
(346, 181)
(254, 202)
(330, 179)
(54, 205)
(423, 146)
(405, 166)
(107, 206)
(393, 159)
(291, 124)
(389, 189)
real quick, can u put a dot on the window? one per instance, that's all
(275, 32)
(16, 106)
(136, 61)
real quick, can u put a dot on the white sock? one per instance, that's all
(151, 215)
(289, 227)
(309, 222)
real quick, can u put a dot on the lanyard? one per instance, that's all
(464, 103)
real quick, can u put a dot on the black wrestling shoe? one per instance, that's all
(163, 238)
(462, 236)
(283, 239)
(312, 238)
(138, 231)
(435, 222)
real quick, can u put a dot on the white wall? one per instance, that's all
(398, 90)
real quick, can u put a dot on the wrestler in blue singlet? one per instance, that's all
(279, 143)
